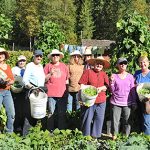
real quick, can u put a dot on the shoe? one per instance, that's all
(114, 137)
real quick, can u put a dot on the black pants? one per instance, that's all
(19, 100)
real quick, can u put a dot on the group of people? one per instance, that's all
(64, 82)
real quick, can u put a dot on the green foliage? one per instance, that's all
(14, 55)
(133, 39)
(3, 118)
(50, 37)
(5, 29)
(86, 24)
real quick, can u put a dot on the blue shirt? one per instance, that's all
(140, 78)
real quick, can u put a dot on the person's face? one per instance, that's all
(2, 57)
(55, 58)
(98, 66)
(122, 66)
(144, 64)
(87, 57)
(21, 63)
(38, 59)
(76, 58)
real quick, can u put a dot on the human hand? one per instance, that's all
(112, 78)
(99, 89)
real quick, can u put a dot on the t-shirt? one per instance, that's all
(18, 71)
(56, 85)
(75, 73)
(6, 75)
(123, 91)
(140, 78)
(90, 77)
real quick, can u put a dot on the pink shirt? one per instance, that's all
(57, 83)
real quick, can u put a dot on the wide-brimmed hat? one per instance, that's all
(76, 52)
(2, 50)
(88, 51)
(55, 51)
(22, 57)
(93, 61)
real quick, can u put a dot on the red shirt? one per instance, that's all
(90, 77)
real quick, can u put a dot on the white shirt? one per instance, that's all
(34, 74)
(16, 70)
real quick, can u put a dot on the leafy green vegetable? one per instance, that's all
(90, 91)
(144, 91)
(17, 84)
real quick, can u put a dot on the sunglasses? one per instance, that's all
(76, 56)
(22, 60)
(39, 56)
(124, 62)
(53, 55)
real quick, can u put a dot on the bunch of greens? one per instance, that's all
(144, 91)
(90, 91)
(17, 84)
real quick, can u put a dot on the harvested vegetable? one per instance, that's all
(90, 91)
(17, 84)
(144, 91)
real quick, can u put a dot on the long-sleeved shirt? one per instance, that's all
(123, 91)
(34, 74)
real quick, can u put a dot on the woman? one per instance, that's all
(19, 98)
(6, 80)
(93, 116)
(75, 72)
(33, 77)
(86, 56)
(123, 97)
(56, 76)
(142, 76)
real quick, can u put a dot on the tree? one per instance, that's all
(61, 12)
(28, 18)
(86, 24)
(50, 37)
(6, 26)
(133, 39)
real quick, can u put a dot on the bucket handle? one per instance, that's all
(35, 89)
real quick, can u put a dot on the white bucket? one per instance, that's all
(88, 100)
(38, 104)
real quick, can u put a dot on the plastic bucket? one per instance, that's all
(38, 104)
(88, 100)
(141, 86)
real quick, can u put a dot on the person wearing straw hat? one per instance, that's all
(92, 117)
(123, 97)
(56, 78)
(143, 76)
(75, 71)
(86, 56)
(34, 76)
(6, 80)
(19, 98)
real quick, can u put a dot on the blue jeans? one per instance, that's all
(92, 119)
(7, 101)
(57, 107)
(73, 103)
(146, 123)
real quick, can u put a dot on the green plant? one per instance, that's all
(3, 118)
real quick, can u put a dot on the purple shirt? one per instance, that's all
(123, 91)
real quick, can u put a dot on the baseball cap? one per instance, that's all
(22, 57)
(38, 52)
(120, 60)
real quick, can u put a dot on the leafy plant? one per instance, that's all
(133, 40)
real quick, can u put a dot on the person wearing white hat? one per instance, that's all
(86, 56)
(92, 117)
(19, 98)
(56, 74)
(6, 80)
(75, 72)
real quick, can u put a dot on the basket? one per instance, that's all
(141, 86)
(38, 103)
(86, 99)
(15, 89)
